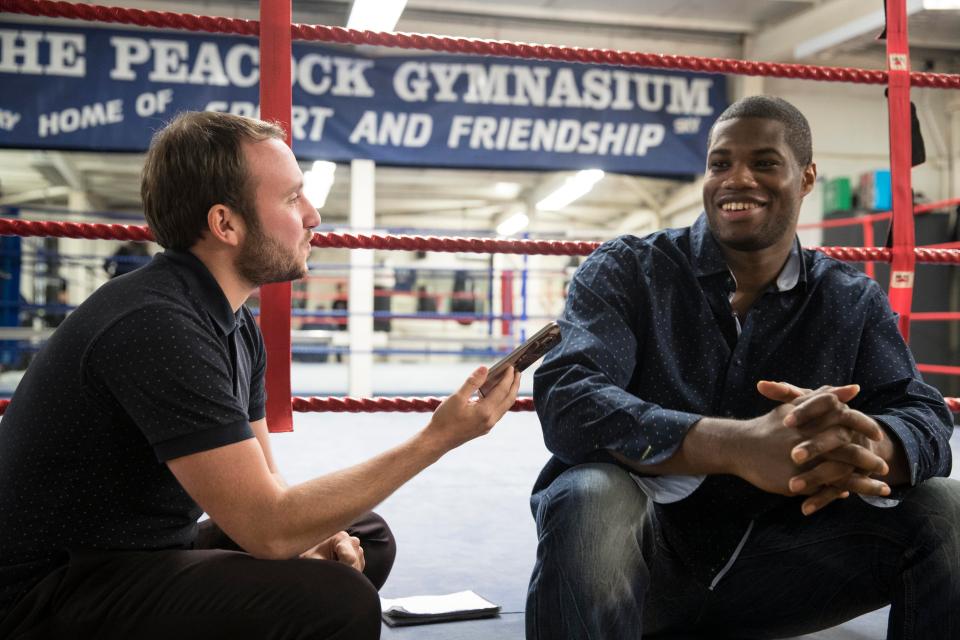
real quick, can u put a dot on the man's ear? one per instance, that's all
(225, 225)
(808, 179)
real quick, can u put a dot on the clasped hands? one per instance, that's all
(832, 450)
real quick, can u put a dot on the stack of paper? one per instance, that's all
(463, 605)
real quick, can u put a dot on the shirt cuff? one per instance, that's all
(667, 489)
(880, 502)
(671, 428)
(902, 434)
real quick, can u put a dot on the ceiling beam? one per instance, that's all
(641, 191)
(581, 17)
(642, 220)
(682, 200)
(826, 25)
(71, 175)
(35, 195)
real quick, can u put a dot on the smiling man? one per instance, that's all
(698, 486)
(146, 408)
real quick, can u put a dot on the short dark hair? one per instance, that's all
(797, 129)
(194, 163)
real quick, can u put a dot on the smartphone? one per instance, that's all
(524, 355)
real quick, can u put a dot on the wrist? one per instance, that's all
(430, 443)
(711, 446)
(892, 452)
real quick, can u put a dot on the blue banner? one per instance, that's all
(109, 90)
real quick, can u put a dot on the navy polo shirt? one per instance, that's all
(651, 345)
(153, 366)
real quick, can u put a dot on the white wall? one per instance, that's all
(850, 129)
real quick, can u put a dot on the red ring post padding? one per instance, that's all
(898, 99)
(276, 98)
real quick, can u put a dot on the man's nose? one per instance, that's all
(740, 176)
(311, 217)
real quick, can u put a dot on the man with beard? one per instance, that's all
(691, 496)
(146, 408)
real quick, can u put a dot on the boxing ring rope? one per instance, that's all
(866, 225)
(389, 242)
(275, 58)
(346, 404)
(869, 218)
(474, 46)
(99, 231)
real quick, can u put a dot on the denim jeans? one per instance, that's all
(605, 570)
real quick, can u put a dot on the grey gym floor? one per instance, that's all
(464, 522)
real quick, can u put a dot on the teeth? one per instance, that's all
(738, 206)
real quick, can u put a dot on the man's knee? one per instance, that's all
(360, 617)
(590, 571)
(934, 507)
(379, 547)
(591, 491)
(597, 503)
(354, 612)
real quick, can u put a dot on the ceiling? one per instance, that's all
(814, 31)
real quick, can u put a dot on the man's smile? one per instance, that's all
(733, 210)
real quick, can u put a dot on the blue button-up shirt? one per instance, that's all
(651, 345)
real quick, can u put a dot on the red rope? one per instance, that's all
(933, 316)
(52, 229)
(455, 245)
(476, 46)
(345, 404)
(120, 15)
(939, 368)
(933, 206)
(881, 215)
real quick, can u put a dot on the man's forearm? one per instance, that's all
(307, 513)
(709, 447)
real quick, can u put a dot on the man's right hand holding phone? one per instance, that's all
(463, 417)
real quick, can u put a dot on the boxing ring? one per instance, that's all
(276, 32)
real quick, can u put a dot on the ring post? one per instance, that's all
(276, 97)
(898, 77)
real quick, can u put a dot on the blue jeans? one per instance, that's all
(605, 570)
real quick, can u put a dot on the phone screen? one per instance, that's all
(523, 356)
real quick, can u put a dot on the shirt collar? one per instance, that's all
(206, 289)
(792, 269)
(705, 253)
(707, 257)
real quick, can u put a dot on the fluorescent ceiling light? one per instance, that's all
(941, 5)
(506, 189)
(576, 186)
(375, 15)
(317, 182)
(515, 223)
